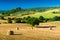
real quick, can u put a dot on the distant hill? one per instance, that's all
(21, 11)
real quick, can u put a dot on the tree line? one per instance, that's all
(31, 20)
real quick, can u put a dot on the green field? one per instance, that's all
(46, 14)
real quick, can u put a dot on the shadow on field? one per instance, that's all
(45, 26)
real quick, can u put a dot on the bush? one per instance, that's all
(41, 19)
(48, 19)
(17, 20)
(9, 20)
(54, 12)
(23, 21)
(33, 21)
(26, 19)
(56, 18)
(2, 17)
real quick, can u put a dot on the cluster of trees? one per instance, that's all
(17, 20)
(56, 18)
(9, 20)
(2, 17)
(31, 20)
(55, 12)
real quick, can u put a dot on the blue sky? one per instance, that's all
(10, 4)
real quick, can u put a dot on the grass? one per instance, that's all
(45, 15)
(27, 33)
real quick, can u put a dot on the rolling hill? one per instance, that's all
(47, 12)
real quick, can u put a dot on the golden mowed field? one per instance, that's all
(25, 32)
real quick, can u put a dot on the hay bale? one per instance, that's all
(17, 28)
(11, 33)
(50, 28)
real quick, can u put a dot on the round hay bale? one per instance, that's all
(50, 28)
(11, 33)
(17, 28)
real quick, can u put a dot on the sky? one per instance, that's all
(10, 4)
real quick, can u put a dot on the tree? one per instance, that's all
(41, 18)
(15, 10)
(17, 20)
(56, 18)
(6, 13)
(27, 19)
(54, 12)
(9, 20)
(33, 21)
(47, 20)
(2, 17)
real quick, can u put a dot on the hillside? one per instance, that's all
(38, 9)
(46, 12)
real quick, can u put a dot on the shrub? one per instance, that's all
(2, 17)
(9, 20)
(27, 19)
(17, 20)
(56, 18)
(41, 19)
(34, 21)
